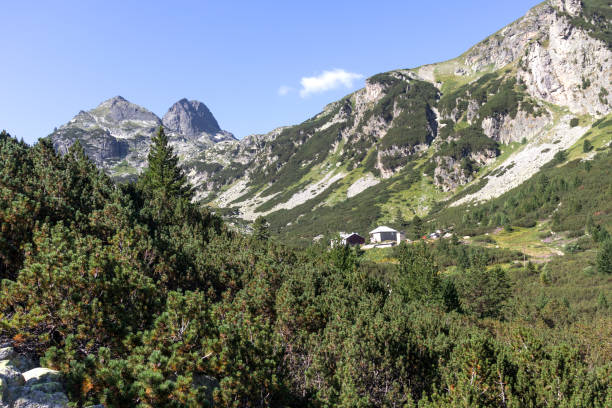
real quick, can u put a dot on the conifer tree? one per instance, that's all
(164, 178)
(484, 292)
(261, 229)
(604, 257)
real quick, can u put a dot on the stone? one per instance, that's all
(37, 399)
(36, 388)
(9, 355)
(41, 375)
(6, 353)
(571, 7)
(116, 135)
(10, 374)
(48, 387)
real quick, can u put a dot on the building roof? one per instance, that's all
(382, 228)
(344, 235)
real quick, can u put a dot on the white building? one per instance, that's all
(383, 234)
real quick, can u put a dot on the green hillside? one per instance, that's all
(142, 298)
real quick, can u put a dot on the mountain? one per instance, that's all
(464, 130)
(117, 133)
(459, 131)
(190, 118)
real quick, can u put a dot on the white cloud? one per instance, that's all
(327, 81)
(284, 90)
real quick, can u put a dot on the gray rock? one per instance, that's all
(571, 7)
(190, 118)
(36, 388)
(116, 135)
(118, 109)
(48, 387)
(11, 380)
(30, 398)
(6, 353)
(41, 375)
(10, 374)
(20, 362)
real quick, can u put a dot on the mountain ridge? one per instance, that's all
(421, 135)
(116, 134)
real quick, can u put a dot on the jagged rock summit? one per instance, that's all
(117, 133)
(119, 109)
(190, 118)
(193, 119)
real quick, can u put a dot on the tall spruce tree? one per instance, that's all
(164, 178)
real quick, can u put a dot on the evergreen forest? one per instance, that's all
(140, 297)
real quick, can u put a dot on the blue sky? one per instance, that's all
(256, 64)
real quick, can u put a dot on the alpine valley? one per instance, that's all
(153, 261)
(411, 141)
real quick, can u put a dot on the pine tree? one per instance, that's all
(164, 178)
(417, 226)
(261, 229)
(483, 292)
(419, 279)
(604, 257)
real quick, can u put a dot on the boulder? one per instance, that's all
(9, 374)
(16, 360)
(30, 398)
(36, 388)
(41, 375)
(6, 353)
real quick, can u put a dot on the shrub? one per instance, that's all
(560, 157)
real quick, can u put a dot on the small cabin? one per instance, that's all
(386, 234)
(351, 239)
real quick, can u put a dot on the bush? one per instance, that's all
(559, 157)
(574, 122)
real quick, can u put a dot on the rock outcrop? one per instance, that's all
(25, 386)
(523, 126)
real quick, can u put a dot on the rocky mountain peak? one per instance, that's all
(119, 109)
(190, 118)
